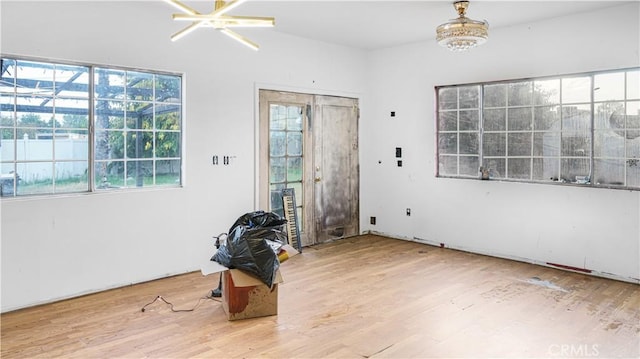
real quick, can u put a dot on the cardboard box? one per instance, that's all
(245, 296)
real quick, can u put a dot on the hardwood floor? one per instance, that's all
(362, 297)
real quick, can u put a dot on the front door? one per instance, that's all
(309, 143)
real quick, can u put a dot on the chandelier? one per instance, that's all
(462, 33)
(219, 20)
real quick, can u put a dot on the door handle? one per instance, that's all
(317, 179)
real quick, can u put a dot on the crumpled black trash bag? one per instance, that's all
(260, 219)
(247, 247)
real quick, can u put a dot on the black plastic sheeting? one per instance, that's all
(247, 246)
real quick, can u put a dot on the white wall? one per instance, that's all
(595, 229)
(59, 247)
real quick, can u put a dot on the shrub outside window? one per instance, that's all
(68, 128)
(580, 129)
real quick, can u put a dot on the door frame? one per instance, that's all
(258, 196)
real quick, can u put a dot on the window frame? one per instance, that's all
(448, 145)
(175, 160)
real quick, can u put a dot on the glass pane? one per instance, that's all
(546, 92)
(608, 144)
(109, 174)
(277, 170)
(8, 182)
(72, 146)
(294, 169)
(39, 122)
(168, 172)
(633, 85)
(139, 173)
(109, 114)
(495, 95)
(139, 86)
(496, 166)
(520, 93)
(29, 149)
(519, 144)
(139, 144)
(519, 119)
(469, 165)
(109, 145)
(277, 144)
(278, 116)
(574, 169)
(576, 117)
(447, 98)
(167, 144)
(609, 172)
(494, 144)
(469, 143)
(297, 188)
(609, 115)
(294, 143)
(469, 120)
(276, 204)
(576, 89)
(546, 144)
(469, 96)
(633, 174)
(8, 145)
(519, 168)
(546, 118)
(447, 143)
(576, 144)
(109, 84)
(168, 117)
(546, 169)
(633, 143)
(447, 165)
(35, 178)
(71, 176)
(294, 121)
(168, 88)
(495, 119)
(71, 81)
(139, 115)
(633, 114)
(448, 121)
(608, 87)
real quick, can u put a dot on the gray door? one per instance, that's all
(336, 178)
(309, 143)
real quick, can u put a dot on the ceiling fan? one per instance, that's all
(219, 20)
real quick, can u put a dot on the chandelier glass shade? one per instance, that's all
(462, 33)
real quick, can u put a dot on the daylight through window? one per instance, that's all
(78, 128)
(580, 129)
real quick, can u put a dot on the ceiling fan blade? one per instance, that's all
(180, 6)
(234, 35)
(228, 6)
(180, 34)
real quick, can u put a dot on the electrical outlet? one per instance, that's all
(408, 211)
(372, 220)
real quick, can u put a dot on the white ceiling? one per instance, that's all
(379, 24)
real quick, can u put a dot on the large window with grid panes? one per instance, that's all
(580, 129)
(68, 127)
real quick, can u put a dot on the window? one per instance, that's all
(581, 129)
(285, 154)
(78, 128)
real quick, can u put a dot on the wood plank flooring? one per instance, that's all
(362, 297)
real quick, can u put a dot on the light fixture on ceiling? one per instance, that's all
(462, 33)
(218, 20)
